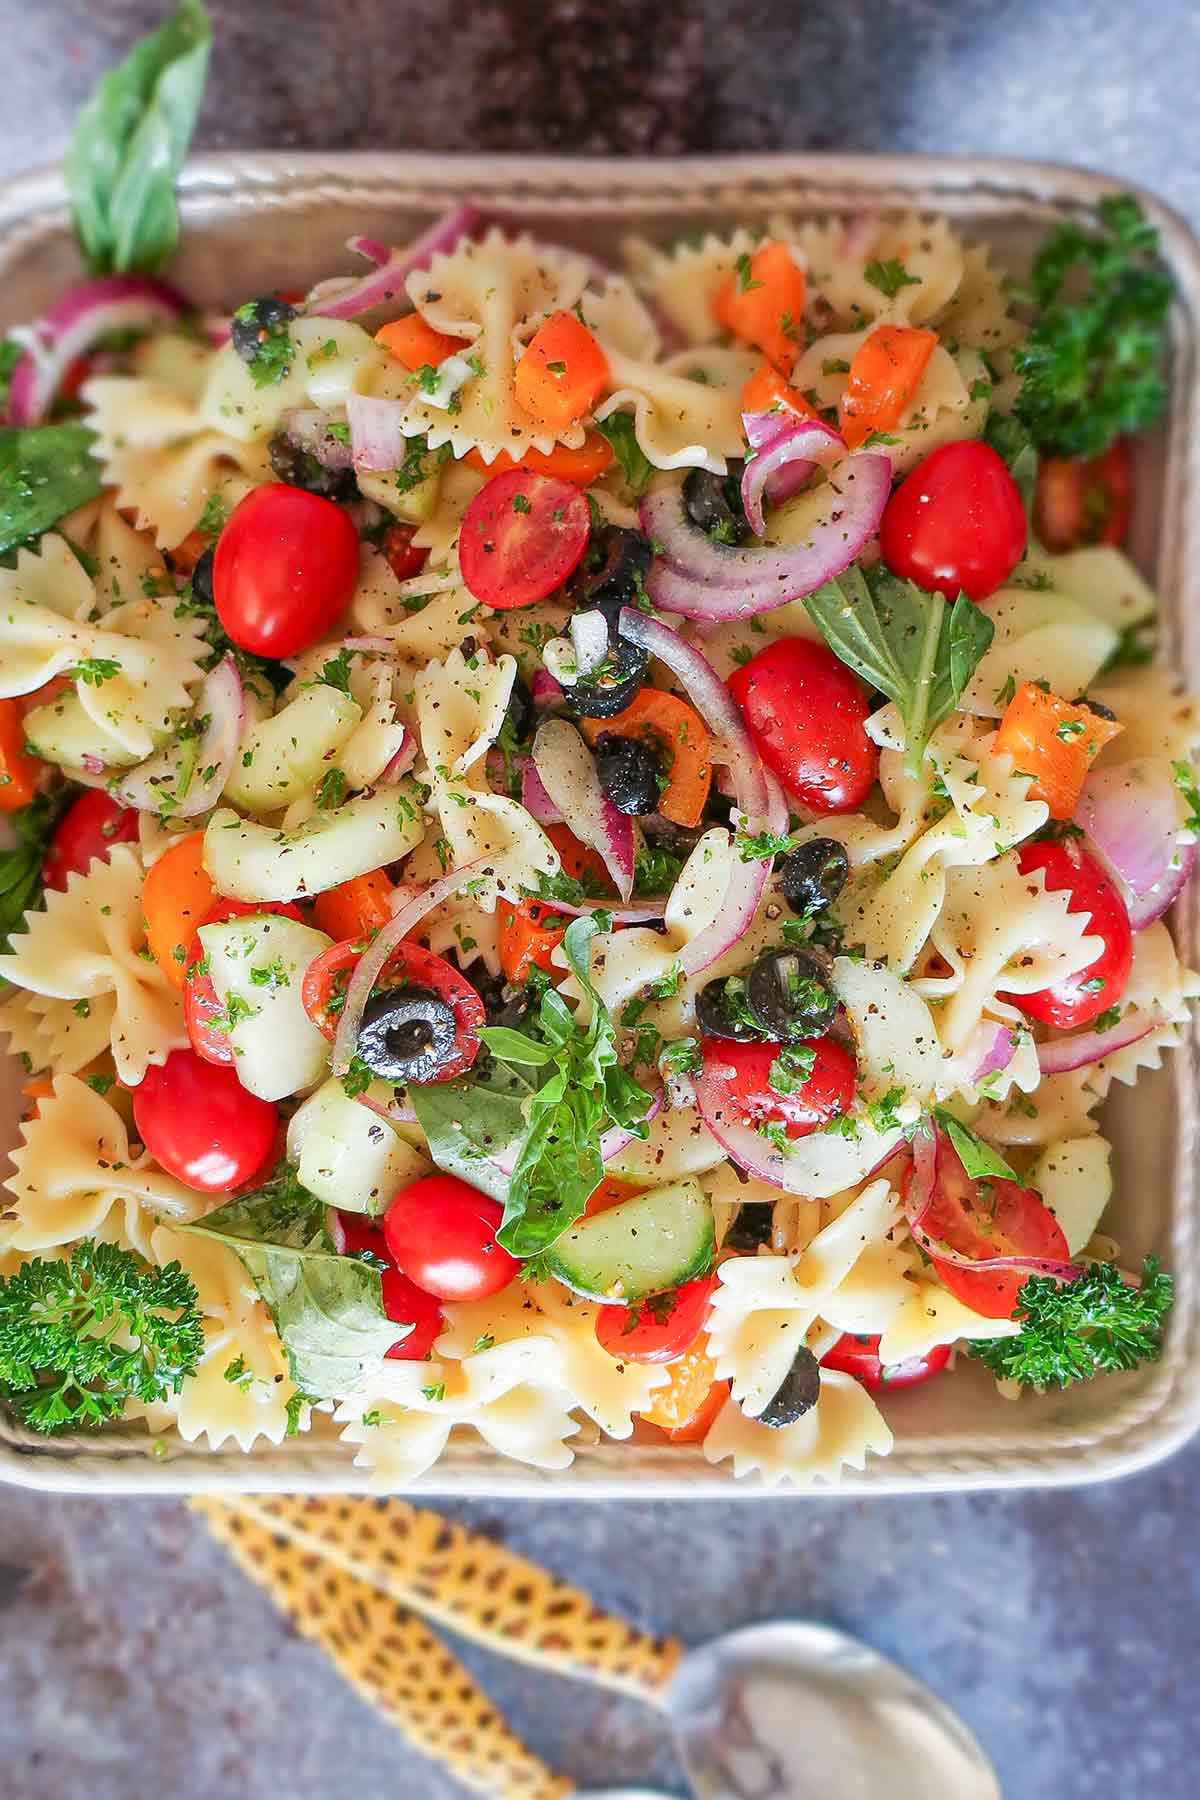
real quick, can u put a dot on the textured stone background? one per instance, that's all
(135, 1663)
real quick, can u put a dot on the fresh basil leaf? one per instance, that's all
(21, 864)
(980, 1162)
(45, 471)
(514, 1046)
(129, 144)
(468, 1124)
(327, 1309)
(904, 642)
(635, 465)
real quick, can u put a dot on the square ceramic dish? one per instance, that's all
(257, 222)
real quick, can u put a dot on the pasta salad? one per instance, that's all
(587, 840)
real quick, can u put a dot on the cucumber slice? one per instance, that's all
(285, 757)
(248, 861)
(257, 964)
(64, 733)
(412, 504)
(640, 1247)
(347, 1155)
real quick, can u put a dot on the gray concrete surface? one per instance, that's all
(135, 1663)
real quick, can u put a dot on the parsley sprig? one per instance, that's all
(1071, 1331)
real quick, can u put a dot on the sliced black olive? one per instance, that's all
(714, 503)
(814, 875)
(797, 1394)
(612, 573)
(1097, 706)
(722, 1011)
(665, 834)
(407, 1034)
(519, 713)
(202, 580)
(298, 466)
(751, 1227)
(629, 773)
(506, 1002)
(258, 320)
(787, 994)
(615, 685)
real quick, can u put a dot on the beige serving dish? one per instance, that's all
(253, 222)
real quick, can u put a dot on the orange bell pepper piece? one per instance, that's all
(417, 345)
(177, 895)
(763, 303)
(885, 373)
(677, 733)
(562, 373)
(1054, 741)
(580, 467)
(686, 1407)
(19, 772)
(354, 908)
(767, 391)
(611, 1192)
(531, 931)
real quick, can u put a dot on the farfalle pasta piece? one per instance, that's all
(1160, 987)
(850, 266)
(683, 280)
(422, 617)
(841, 1430)
(687, 409)
(73, 1174)
(930, 1316)
(1059, 1107)
(85, 947)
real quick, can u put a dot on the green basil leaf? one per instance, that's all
(514, 1046)
(635, 465)
(129, 144)
(327, 1309)
(980, 1162)
(45, 471)
(469, 1123)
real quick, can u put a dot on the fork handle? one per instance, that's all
(474, 1587)
(389, 1657)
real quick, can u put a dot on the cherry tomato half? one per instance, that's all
(1083, 502)
(521, 537)
(285, 568)
(984, 1220)
(859, 1356)
(806, 712)
(202, 1011)
(326, 979)
(442, 1234)
(403, 1301)
(403, 559)
(742, 1072)
(85, 834)
(955, 522)
(1077, 999)
(200, 1124)
(661, 1329)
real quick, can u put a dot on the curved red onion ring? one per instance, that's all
(408, 915)
(386, 283)
(376, 441)
(568, 774)
(534, 798)
(545, 690)
(403, 760)
(1079, 1049)
(999, 1054)
(705, 580)
(221, 700)
(786, 451)
(1133, 816)
(374, 251)
(73, 324)
(927, 1147)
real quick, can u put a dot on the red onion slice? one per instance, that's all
(403, 760)
(998, 1055)
(221, 701)
(545, 690)
(705, 580)
(385, 284)
(535, 799)
(1133, 816)
(568, 774)
(374, 251)
(1079, 1049)
(786, 451)
(75, 322)
(376, 441)
(411, 910)
(308, 426)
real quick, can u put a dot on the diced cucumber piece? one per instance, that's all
(640, 1247)
(347, 1155)
(249, 861)
(1074, 1179)
(257, 965)
(286, 756)
(63, 733)
(413, 504)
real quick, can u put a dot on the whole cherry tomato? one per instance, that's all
(859, 1356)
(738, 1077)
(1079, 501)
(521, 537)
(806, 713)
(85, 834)
(200, 1124)
(203, 1013)
(403, 1301)
(442, 1233)
(285, 568)
(956, 522)
(327, 977)
(1078, 999)
(660, 1328)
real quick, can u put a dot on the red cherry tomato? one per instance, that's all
(86, 833)
(1077, 999)
(521, 537)
(955, 522)
(983, 1220)
(403, 1301)
(201, 1125)
(828, 1091)
(1083, 502)
(805, 711)
(327, 978)
(285, 568)
(200, 1004)
(859, 1356)
(661, 1329)
(442, 1233)
(403, 559)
